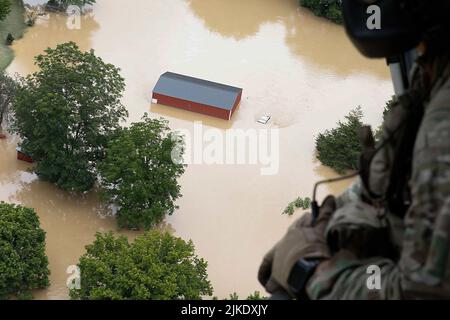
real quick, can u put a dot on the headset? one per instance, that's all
(402, 25)
(388, 28)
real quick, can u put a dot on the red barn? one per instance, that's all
(201, 96)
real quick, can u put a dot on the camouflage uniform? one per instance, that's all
(423, 237)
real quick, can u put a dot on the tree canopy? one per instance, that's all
(330, 9)
(63, 4)
(340, 147)
(139, 175)
(156, 266)
(5, 8)
(254, 296)
(8, 88)
(23, 263)
(389, 105)
(66, 112)
(299, 203)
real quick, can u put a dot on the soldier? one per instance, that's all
(396, 218)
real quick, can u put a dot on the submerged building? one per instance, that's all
(197, 95)
(23, 156)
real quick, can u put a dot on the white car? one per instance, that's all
(264, 119)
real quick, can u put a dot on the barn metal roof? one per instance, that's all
(197, 90)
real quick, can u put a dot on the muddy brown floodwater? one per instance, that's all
(300, 69)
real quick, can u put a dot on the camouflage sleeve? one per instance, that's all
(345, 277)
(423, 270)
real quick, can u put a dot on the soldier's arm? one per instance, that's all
(423, 269)
(346, 277)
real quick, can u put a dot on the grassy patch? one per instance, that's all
(14, 24)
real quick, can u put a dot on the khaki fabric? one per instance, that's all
(302, 240)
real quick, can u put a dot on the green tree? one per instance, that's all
(156, 266)
(389, 105)
(5, 8)
(233, 296)
(66, 112)
(330, 9)
(8, 88)
(299, 203)
(23, 263)
(63, 4)
(139, 175)
(339, 148)
(254, 296)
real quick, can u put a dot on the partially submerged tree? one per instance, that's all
(156, 266)
(5, 8)
(339, 148)
(23, 263)
(299, 203)
(389, 105)
(64, 4)
(330, 9)
(66, 112)
(139, 175)
(254, 296)
(8, 89)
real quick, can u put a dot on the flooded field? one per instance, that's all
(300, 69)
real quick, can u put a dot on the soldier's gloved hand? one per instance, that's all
(302, 241)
